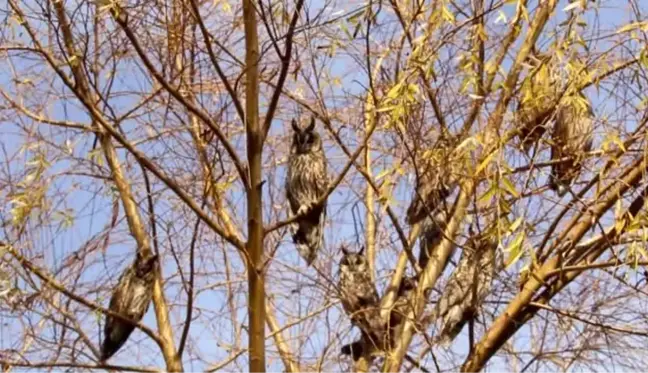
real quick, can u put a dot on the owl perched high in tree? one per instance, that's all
(307, 182)
(359, 296)
(131, 298)
(467, 287)
(434, 184)
(399, 312)
(572, 137)
(539, 93)
(431, 235)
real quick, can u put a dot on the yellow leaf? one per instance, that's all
(515, 250)
(509, 187)
(489, 194)
(515, 225)
(395, 91)
(448, 16)
(485, 162)
(631, 27)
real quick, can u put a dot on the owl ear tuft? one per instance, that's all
(294, 125)
(311, 126)
(344, 250)
(362, 249)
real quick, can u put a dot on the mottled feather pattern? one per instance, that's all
(131, 298)
(539, 93)
(431, 236)
(306, 183)
(467, 288)
(433, 187)
(572, 137)
(359, 296)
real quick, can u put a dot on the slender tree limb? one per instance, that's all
(52, 283)
(195, 12)
(254, 246)
(121, 17)
(285, 65)
(517, 311)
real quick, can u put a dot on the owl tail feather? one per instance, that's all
(355, 350)
(454, 322)
(558, 186)
(308, 242)
(309, 238)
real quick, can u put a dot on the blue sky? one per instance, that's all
(294, 288)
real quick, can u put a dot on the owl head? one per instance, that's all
(144, 266)
(353, 262)
(306, 140)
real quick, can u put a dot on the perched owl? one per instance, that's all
(431, 236)
(359, 296)
(572, 137)
(401, 308)
(437, 181)
(467, 287)
(307, 181)
(535, 107)
(356, 349)
(131, 299)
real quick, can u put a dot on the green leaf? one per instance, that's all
(447, 15)
(515, 225)
(509, 187)
(395, 91)
(515, 249)
(489, 194)
(485, 162)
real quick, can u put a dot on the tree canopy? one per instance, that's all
(164, 127)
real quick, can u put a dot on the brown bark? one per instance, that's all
(254, 246)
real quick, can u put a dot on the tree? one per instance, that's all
(164, 127)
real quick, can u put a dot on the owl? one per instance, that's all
(467, 287)
(306, 182)
(431, 236)
(437, 181)
(359, 296)
(131, 299)
(539, 94)
(572, 137)
(402, 306)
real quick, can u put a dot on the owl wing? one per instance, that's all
(290, 195)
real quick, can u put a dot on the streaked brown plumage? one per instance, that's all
(377, 340)
(435, 183)
(431, 236)
(131, 298)
(359, 296)
(467, 287)
(572, 137)
(306, 182)
(535, 107)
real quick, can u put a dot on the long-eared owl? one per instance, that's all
(431, 236)
(538, 98)
(131, 298)
(467, 287)
(359, 296)
(435, 181)
(572, 137)
(307, 181)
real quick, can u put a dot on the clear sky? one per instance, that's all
(293, 289)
